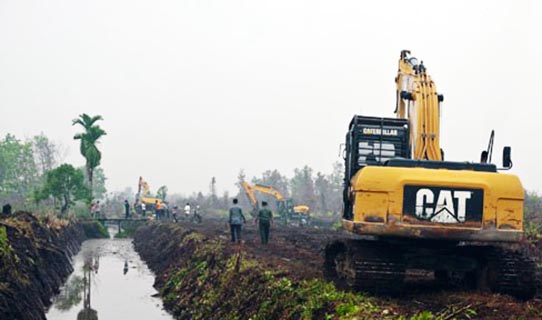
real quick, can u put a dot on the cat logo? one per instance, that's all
(443, 205)
(444, 209)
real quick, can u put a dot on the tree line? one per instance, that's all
(321, 191)
(533, 213)
(32, 175)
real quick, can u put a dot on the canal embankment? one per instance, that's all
(201, 275)
(35, 260)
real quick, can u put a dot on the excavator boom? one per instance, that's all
(249, 190)
(419, 102)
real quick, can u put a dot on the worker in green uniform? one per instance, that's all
(265, 219)
(126, 209)
(236, 221)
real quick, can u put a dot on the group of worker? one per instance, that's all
(264, 219)
(161, 210)
(96, 210)
(187, 210)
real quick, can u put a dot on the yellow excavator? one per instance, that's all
(144, 196)
(405, 207)
(287, 211)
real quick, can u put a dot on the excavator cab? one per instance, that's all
(285, 210)
(288, 212)
(372, 141)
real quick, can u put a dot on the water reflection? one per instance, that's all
(87, 314)
(71, 295)
(91, 265)
(125, 267)
(95, 286)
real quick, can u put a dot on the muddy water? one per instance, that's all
(110, 281)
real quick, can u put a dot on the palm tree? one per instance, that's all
(89, 140)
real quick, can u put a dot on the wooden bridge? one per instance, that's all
(118, 221)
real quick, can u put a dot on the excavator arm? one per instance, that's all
(419, 103)
(268, 190)
(249, 190)
(143, 188)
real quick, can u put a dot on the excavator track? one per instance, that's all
(379, 267)
(512, 272)
(365, 266)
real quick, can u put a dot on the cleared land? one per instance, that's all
(298, 253)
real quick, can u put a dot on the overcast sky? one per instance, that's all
(195, 89)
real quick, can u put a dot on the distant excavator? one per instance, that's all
(144, 196)
(405, 207)
(288, 212)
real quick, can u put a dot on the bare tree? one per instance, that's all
(303, 186)
(213, 198)
(46, 153)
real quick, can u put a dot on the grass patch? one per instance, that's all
(128, 229)
(94, 230)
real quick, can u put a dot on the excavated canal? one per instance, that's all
(110, 281)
